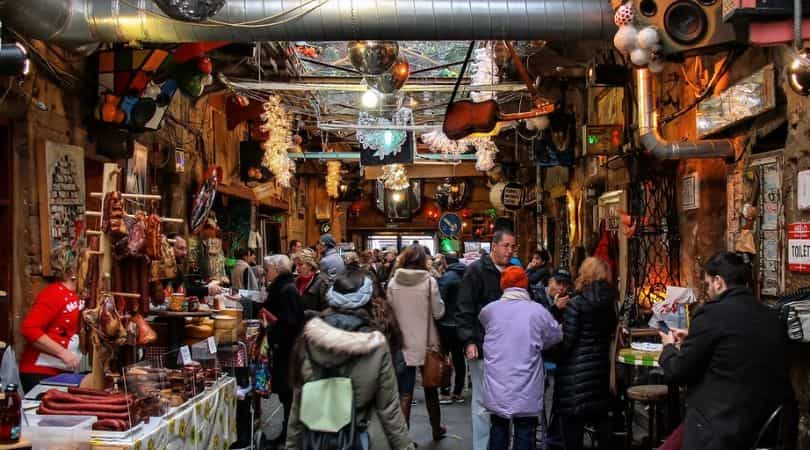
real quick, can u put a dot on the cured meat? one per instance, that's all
(146, 335)
(110, 321)
(152, 249)
(112, 222)
(81, 410)
(89, 407)
(137, 234)
(59, 396)
(111, 425)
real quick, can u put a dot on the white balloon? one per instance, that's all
(626, 38)
(656, 65)
(640, 56)
(648, 37)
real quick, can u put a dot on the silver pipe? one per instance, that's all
(76, 22)
(798, 41)
(651, 138)
(355, 156)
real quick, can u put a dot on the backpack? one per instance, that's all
(327, 411)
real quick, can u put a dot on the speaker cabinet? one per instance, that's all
(686, 26)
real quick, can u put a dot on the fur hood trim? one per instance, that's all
(411, 277)
(334, 340)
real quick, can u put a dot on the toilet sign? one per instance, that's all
(799, 247)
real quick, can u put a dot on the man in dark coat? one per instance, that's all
(284, 302)
(539, 268)
(732, 360)
(449, 287)
(480, 286)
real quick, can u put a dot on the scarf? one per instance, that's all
(351, 300)
(302, 282)
(516, 294)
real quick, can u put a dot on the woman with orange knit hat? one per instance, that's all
(516, 331)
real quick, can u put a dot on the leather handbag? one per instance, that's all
(437, 368)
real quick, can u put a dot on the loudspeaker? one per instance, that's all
(686, 26)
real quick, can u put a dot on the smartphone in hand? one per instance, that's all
(664, 327)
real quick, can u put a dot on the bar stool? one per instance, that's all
(652, 395)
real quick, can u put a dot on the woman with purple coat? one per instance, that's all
(516, 331)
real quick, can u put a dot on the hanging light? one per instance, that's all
(370, 98)
(396, 196)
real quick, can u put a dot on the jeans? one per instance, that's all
(451, 345)
(480, 416)
(525, 428)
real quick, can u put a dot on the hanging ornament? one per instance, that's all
(373, 57)
(278, 127)
(485, 156)
(393, 79)
(394, 177)
(384, 142)
(484, 73)
(640, 56)
(648, 37)
(333, 178)
(626, 39)
(624, 15)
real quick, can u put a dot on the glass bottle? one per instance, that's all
(10, 415)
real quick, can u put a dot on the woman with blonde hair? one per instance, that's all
(582, 382)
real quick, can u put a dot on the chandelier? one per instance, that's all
(384, 142)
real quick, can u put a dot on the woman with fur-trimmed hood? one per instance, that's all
(342, 338)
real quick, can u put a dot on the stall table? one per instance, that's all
(206, 422)
(176, 323)
(642, 358)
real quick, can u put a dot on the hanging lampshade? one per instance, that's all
(373, 57)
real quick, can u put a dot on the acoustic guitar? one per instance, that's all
(465, 117)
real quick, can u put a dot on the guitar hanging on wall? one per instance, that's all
(465, 117)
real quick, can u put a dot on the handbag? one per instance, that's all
(437, 367)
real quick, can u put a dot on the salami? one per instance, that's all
(111, 425)
(80, 410)
(89, 408)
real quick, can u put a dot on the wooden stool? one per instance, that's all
(651, 394)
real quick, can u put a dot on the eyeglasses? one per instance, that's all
(507, 245)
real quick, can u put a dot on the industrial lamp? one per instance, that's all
(14, 60)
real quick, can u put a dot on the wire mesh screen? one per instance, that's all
(564, 242)
(654, 244)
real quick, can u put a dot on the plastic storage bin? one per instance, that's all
(58, 432)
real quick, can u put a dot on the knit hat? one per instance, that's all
(328, 241)
(306, 256)
(514, 277)
(561, 275)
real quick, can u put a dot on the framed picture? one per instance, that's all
(62, 201)
(690, 192)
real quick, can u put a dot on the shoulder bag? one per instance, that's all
(437, 368)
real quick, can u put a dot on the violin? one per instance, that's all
(465, 117)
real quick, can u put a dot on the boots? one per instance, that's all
(435, 413)
(405, 404)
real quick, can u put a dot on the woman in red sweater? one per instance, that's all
(49, 328)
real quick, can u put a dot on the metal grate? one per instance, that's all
(654, 248)
(564, 242)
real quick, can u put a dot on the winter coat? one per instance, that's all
(539, 274)
(582, 381)
(481, 285)
(332, 264)
(314, 295)
(408, 293)
(733, 362)
(516, 330)
(345, 343)
(242, 276)
(449, 288)
(283, 302)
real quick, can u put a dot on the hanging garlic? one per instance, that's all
(333, 178)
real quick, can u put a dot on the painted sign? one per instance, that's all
(450, 224)
(799, 247)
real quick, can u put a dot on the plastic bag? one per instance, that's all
(673, 309)
(9, 371)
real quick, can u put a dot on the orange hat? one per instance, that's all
(514, 276)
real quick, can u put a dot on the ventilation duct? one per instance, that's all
(76, 22)
(659, 147)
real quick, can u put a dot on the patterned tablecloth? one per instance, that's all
(206, 423)
(638, 357)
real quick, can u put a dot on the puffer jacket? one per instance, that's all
(345, 342)
(582, 382)
(449, 287)
(408, 293)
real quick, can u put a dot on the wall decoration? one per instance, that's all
(506, 196)
(450, 224)
(747, 98)
(136, 181)
(62, 199)
(690, 192)
(204, 200)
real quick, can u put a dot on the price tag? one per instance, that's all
(212, 345)
(185, 355)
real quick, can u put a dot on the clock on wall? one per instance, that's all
(326, 227)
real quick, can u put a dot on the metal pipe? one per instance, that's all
(76, 22)
(303, 85)
(651, 138)
(355, 156)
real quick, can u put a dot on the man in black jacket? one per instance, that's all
(732, 360)
(480, 286)
(449, 287)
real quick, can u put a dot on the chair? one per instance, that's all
(779, 445)
(653, 395)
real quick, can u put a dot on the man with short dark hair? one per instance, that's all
(539, 268)
(480, 286)
(732, 360)
(556, 294)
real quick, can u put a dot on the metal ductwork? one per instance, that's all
(651, 138)
(76, 22)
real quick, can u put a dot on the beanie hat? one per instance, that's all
(328, 241)
(514, 277)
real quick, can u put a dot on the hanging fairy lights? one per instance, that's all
(394, 177)
(333, 178)
(277, 125)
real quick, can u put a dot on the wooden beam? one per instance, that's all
(429, 171)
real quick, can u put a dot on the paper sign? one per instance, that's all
(185, 355)
(803, 192)
(799, 247)
(212, 345)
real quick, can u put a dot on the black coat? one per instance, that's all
(449, 288)
(314, 296)
(480, 286)
(582, 382)
(539, 275)
(734, 364)
(283, 302)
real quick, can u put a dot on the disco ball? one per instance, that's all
(394, 78)
(373, 57)
(190, 10)
(798, 74)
